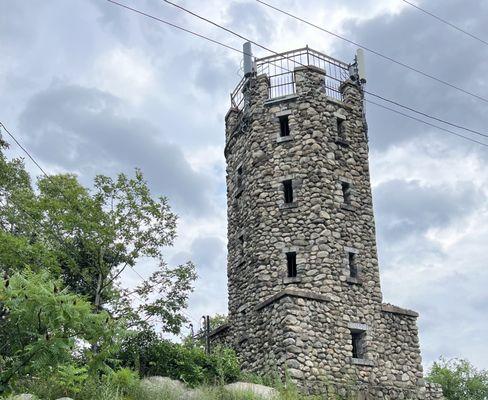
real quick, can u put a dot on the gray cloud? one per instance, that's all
(405, 208)
(81, 128)
(423, 43)
(248, 17)
(210, 293)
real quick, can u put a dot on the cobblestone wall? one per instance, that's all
(305, 324)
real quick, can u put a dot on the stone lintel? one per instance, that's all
(362, 361)
(357, 326)
(304, 294)
(283, 113)
(219, 329)
(291, 279)
(274, 100)
(390, 308)
(281, 139)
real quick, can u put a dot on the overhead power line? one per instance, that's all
(273, 51)
(431, 14)
(24, 149)
(173, 25)
(426, 115)
(383, 98)
(377, 53)
(227, 30)
(427, 123)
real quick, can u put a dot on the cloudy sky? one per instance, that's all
(91, 88)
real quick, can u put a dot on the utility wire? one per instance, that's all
(273, 51)
(23, 148)
(383, 98)
(377, 53)
(232, 32)
(192, 32)
(426, 115)
(427, 123)
(56, 235)
(431, 14)
(174, 25)
(50, 178)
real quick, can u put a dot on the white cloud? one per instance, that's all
(123, 72)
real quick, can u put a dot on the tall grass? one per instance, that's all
(143, 391)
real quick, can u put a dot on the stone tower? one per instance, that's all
(304, 285)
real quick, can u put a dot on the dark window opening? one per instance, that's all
(353, 269)
(284, 126)
(288, 191)
(346, 192)
(239, 177)
(358, 344)
(341, 128)
(291, 261)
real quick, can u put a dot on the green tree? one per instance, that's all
(43, 325)
(89, 237)
(460, 380)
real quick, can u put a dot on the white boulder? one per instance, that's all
(265, 392)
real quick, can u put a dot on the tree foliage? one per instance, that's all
(89, 237)
(43, 324)
(460, 380)
(63, 250)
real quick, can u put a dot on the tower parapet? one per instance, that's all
(303, 276)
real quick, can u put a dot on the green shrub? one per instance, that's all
(125, 380)
(64, 380)
(459, 380)
(224, 365)
(152, 356)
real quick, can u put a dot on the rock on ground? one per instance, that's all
(162, 382)
(266, 392)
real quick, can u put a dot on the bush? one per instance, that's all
(44, 325)
(460, 380)
(152, 356)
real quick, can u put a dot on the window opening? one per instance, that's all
(291, 261)
(288, 191)
(284, 126)
(358, 343)
(353, 269)
(346, 192)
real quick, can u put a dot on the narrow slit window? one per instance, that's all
(284, 126)
(288, 191)
(241, 244)
(291, 261)
(341, 128)
(353, 269)
(346, 192)
(239, 177)
(358, 344)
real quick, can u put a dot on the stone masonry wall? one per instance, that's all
(303, 325)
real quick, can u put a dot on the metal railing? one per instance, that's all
(280, 69)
